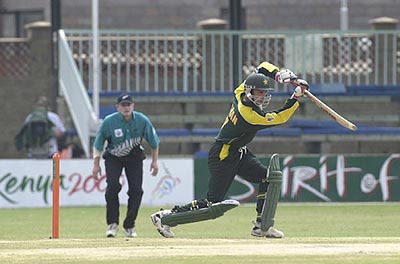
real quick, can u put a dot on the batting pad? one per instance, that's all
(211, 212)
(273, 192)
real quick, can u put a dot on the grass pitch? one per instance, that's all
(314, 233)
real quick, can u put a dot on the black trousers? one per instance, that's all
(222, 173)
(133, 165)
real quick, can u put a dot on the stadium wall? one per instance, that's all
(178, 14)
(25, 74)
(28, 183)
(306, 178)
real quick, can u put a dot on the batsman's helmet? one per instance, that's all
(258, 81)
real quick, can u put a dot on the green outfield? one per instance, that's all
(315, 233)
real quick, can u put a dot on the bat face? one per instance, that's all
(338, 118)
(335, 116)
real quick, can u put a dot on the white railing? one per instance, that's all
(76, 95)
(203, 61)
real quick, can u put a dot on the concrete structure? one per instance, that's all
(28, 76)
(177, 14)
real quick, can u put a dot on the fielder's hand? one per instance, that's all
(153, 168)
(96, 172)
(285, 76)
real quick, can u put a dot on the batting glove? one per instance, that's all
(285, 76)
(302, 83)
(299, 91)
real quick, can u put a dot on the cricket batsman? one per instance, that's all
(229, 156)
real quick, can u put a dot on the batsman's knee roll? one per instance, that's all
(274, 179)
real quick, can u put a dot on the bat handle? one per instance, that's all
(301, 82)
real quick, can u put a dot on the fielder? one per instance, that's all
(229, 156)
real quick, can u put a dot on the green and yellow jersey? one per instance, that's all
(245, 118)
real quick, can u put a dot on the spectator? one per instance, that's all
(40, 131)
(71, 148)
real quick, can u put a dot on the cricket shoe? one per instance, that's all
(272, 232)
(112, 230)
(164, 230)
(130, 232)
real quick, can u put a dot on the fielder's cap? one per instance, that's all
(125, 98)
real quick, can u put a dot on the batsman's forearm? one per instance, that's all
(268, 69)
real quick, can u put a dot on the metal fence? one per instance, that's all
(203, 61)
(15, 58)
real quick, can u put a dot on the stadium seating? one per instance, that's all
(188, 124)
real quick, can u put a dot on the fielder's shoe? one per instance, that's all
(130, 232)
(112, 230)
(272, 232)
(164, 230)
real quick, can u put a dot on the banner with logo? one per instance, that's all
(325, 178)
(28, 183)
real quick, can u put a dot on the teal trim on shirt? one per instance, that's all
(122, 136)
